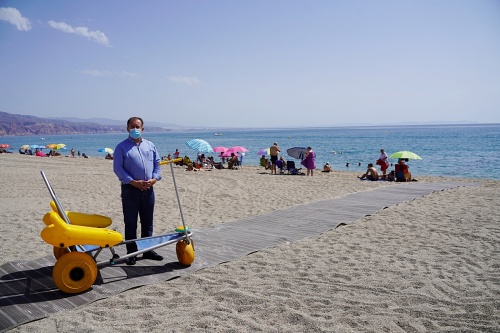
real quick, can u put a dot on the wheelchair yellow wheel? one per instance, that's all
(60, 251)
(185, 252)
(74, 272)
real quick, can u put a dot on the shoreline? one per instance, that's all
(426, 265)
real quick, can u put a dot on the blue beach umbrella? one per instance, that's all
(199, 145)
(105, 150)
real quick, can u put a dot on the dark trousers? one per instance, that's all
(137, 203)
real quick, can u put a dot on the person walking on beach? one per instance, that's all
(310, 161)
(136, 163)
(383, 161)
(274, 151)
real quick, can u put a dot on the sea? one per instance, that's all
(464, 151)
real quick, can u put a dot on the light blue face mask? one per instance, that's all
(135, 133)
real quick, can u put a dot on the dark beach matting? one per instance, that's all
(28, 293)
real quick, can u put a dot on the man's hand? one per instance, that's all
(143, 185)
(148, 183)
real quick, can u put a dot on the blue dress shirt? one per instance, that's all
(136, 161)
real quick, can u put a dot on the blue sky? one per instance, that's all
(253, 63)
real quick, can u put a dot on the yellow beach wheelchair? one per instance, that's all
(78, 239)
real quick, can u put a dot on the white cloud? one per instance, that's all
(95, 72)
(96, 36)
(14, 17)
(185, 79)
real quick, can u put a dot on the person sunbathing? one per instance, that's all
(327, 167)
(233, 161)
(370, 174)
(264, 162)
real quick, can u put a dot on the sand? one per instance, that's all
(429, 265)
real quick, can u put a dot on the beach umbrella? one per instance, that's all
(106, 150)
(59, 146)
(199, 145)
(4, 145)
(297, 152)
(238, 149)
(266, 151)
(24, 147)
(405, 154)
(227, 153)
(50, 145)
(220, 149)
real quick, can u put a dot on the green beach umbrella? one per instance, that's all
(405, 154)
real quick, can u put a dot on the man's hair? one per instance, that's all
(131, 119)
(370, 165)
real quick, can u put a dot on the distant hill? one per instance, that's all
(16, 124)
(106, 121)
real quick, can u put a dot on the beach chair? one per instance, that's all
(291, 169)
(401, 173)
(281, 166)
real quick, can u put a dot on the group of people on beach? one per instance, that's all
(400, 173)
(136, 163)
(309, 161)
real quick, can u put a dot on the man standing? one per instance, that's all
(136, 163)
(383, 161)
(274, 151)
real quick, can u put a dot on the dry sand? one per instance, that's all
(430, 265)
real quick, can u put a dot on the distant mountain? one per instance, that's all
(16, 124)
(106, 121)
(102, 121)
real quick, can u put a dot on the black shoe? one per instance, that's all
(152, 255)
(131, 261)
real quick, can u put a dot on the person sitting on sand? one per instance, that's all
(210, 162)
(281, 164)
(370, 174)
(233, 161)
(327, 167)
(282, 159)
(109, 157)
(264, 162)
